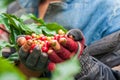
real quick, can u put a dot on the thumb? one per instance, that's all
(77, 35)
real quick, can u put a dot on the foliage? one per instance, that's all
(67, 70)
(4, 4)
(4, 44)
(9, 72)
(17, 26)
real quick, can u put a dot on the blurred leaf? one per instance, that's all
(4, 44)
(66, 70)
(4, 20)
(55, 27)
(9, 72)
(18, 24)
(25, 17)
(4, 4)
(47, 31)
(38, 20)
(39, 79)
(13, 57)
(35, 28)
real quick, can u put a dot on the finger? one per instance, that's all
(69, 44)
(20, 40)
(24, 51)
(60, 50)
(64, 53)
(33, 57)
(76, 34)
(42, 62)
(20, 36)
(23, 55)
(54, 57)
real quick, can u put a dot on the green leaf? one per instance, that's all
(35, 28)
(13, 57)
(13, 35)
(18, 24)
(4, 20)
(25, 17)
(55, 27)
(4, 44)
(66, 70)
(38, 20)
(39, 79)
(47, 31)
(4, 3)
(9, 72)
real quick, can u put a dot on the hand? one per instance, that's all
(65, 48)
(36, 60)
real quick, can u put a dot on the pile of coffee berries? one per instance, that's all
(44, 42)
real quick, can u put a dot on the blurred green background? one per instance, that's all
(4, 4)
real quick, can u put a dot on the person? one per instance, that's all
(96, 19)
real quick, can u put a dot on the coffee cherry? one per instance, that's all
(32, 46)
(43, 38)
(61, 32)
(47, 44)
(21, 41)
(56, 37)
(45, 49)
(34, 35)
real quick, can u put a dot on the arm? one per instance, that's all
(28, 72)
(43, 6)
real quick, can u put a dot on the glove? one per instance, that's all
(36, 60)
(61, 50)
(73, 44)
(84, 58)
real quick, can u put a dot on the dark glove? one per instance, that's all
(65, 49)
(35, 60)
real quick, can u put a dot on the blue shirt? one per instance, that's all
(96, 18)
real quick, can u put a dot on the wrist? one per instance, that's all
(27, 72)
